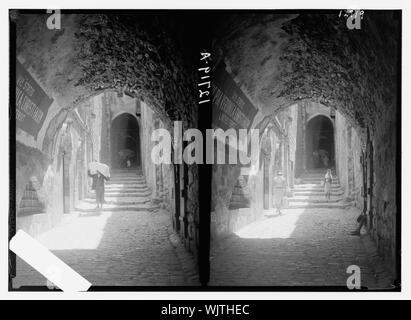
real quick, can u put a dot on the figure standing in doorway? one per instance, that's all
(316, 159)
(279, 191)
(98, 186)
(328, 180)
(324, 158)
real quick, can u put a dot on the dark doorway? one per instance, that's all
(320, 143)
(125, 142)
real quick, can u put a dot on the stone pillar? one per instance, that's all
(287, 153)
(304, 133)
(299, 141)
(105, 132)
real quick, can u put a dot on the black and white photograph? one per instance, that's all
(318, 200)
(95, 92)
(207, 149)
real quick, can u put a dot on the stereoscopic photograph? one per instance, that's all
(205, 150)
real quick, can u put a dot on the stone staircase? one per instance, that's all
(125, 191)
(309, 193)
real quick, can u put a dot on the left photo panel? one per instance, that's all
(98, 105)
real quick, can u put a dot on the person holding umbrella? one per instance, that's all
(99, 179)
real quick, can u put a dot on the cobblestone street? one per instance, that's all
(122, 248)
(303, 247)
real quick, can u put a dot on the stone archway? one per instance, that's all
(319, 143)
(152, 67)
(66, 148)
(283, 59)
(125, 142)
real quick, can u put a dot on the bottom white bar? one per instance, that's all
(48, 264)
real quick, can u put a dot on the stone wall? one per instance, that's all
(47, 171)
(147, 125)
(161, 180)
(384, 200)
(297, 132)
(40, 160)
(294, 134)
(249, 180)
(159, 177)
(348, 151)
(105, 152)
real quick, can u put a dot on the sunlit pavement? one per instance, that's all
(302, 247)
(112, 249)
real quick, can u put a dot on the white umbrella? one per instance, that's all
(100, 167)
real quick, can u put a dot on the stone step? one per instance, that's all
(142, 178)
(91, 207)
(126, 178)
(120, 200)
(305, 183)
(307, 205)
(30, 210)
(125, 170)
(124, 182)
(319, 172)
(127, 193)
(316, 181)
(317, 193)
(319, 177)
(315, 199)
(128, 174)
(126, 185)
(314, 187)
(316, 175)
(140, 192)
(127, 189)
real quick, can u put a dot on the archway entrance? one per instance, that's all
(125, 142)
(320, 143)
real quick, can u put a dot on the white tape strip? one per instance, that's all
(45, 262)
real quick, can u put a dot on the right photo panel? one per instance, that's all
(306, 156)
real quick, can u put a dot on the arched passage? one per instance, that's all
(320, 143)
(158, 76)
(125, 142)
(66, 149)
(278, 60)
